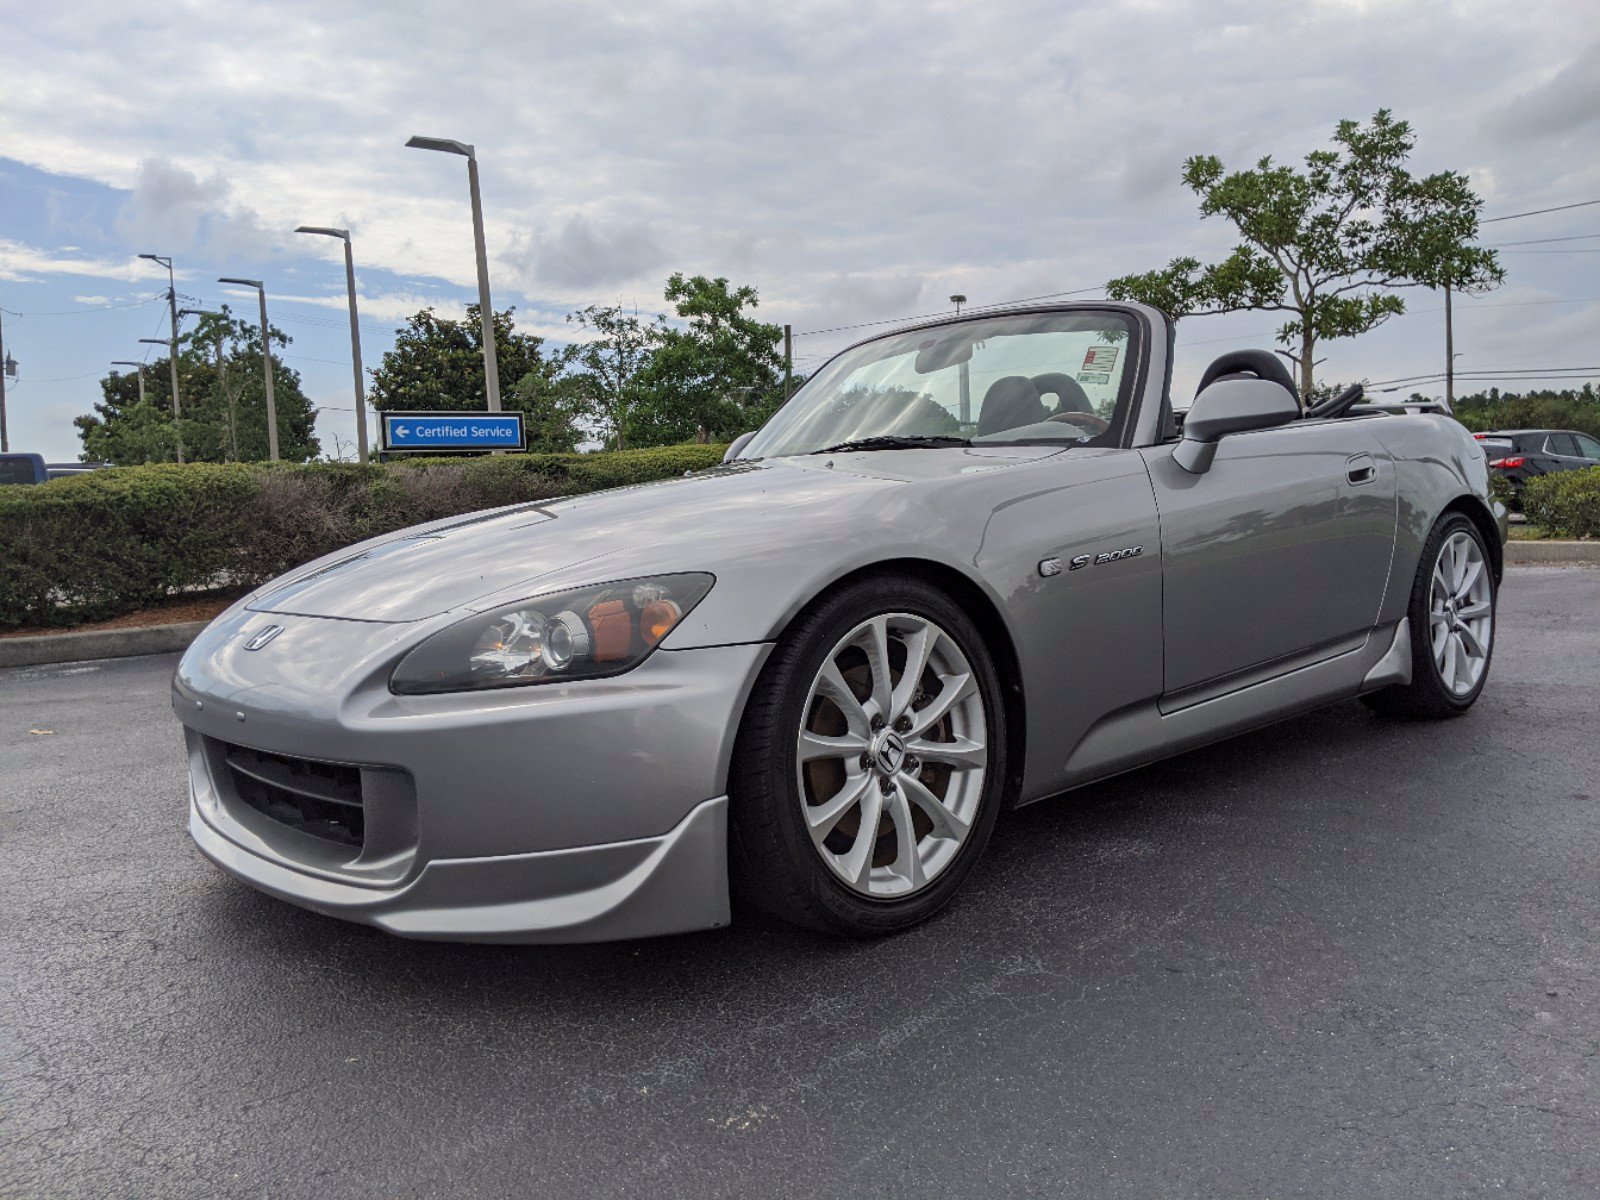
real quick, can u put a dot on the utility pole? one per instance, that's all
(221, 381)
(5, 367)
(1449, 354)
(266, 363)
(172, 356)
(963, 375)
(788, 361)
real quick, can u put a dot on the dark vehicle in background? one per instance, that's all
(32, 468)
(1518, 455)
(23, 468)
(68, 470)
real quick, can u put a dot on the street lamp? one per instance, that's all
(138, 367)
(958, 301)
(266, 363)
(172, 346)
(491, 368)
(355, 332)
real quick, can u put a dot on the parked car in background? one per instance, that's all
(23, 468)
(1518, 455)
(67, 470)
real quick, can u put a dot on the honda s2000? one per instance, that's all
(969, 565)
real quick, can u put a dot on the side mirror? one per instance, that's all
(1230, 406)
(738, 444)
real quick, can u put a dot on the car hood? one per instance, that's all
(502, 554)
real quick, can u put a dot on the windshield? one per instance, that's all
(1059, 377)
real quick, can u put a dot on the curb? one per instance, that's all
(1552, 552)
(101, 643)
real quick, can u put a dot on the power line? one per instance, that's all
(1539, 211)
(944, 312)
(1485, 372)
(1577, 237)
(84, 312)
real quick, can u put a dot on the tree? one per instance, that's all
(437, 362)
(604, 370)
(553, 411)
(1327, 244)
(715, 377)
(224, 403)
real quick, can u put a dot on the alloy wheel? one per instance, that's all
(891, 755)
(1461, 613)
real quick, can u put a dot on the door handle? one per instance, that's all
(1361, 468)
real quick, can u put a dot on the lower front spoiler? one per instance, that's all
(674, 883)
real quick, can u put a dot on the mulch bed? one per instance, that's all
(173, 612)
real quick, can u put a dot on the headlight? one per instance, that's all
(579, 634)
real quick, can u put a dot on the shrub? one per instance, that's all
(1567, 503)
(111, 542)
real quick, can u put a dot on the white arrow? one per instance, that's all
(402, 430)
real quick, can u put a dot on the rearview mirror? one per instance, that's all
(1230, 406)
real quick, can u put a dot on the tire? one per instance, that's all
(1430, 695)
(797, 823)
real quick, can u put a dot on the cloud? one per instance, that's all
(176, 209)
(20, 262)
(1565, 103)
(584, 255)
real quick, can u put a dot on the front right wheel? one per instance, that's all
(1452, 618)
(870, 765)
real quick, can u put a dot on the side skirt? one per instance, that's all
(1144, 733)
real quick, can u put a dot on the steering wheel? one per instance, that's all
(1084, 420)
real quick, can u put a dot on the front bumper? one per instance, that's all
(559, 812)
(669, 884)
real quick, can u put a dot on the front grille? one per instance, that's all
(315, 798)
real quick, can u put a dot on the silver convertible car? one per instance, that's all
(970, 565)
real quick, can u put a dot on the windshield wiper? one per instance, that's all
(891, 441)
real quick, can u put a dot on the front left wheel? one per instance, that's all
(870, 765)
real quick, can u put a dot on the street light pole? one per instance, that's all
(139, 370)
(5, 436)
(266, 363)
(491, 367)
(355, 334)
(172, 347)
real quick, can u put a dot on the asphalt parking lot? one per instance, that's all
(1339, 957)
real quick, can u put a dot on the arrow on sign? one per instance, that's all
(402, 430)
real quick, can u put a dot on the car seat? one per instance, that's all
(1009, 403)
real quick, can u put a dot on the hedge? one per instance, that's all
(1567, 503)
(111, 542)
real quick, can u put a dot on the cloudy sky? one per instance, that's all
(854, 161)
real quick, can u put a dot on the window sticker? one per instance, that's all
(1093, 377)
(1100, 359)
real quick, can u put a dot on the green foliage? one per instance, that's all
(717, 376)
(1579, 410)
(111, 542)
(223, 392)
(114, 541)
(437, 363)
(607, 365)
(1500, 489)
(1567, 503)
(1328, 244)
(553, 411)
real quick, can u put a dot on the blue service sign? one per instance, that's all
(452, 431)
